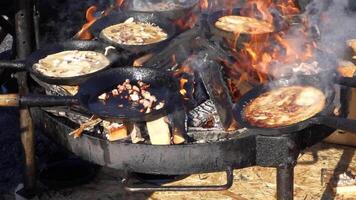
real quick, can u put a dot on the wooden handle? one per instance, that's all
(9, 100)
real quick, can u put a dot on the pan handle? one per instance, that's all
(14, 100)
(17, 65)
(348, 125)
(346, 81)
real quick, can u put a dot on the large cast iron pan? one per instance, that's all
(112, 55)
(238, 40)
(323, 118)
(186, 6)
(163, 86)
(117, 17)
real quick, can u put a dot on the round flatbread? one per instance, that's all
(240, 24)
(284, 106)
(71, 63)
(134, 33)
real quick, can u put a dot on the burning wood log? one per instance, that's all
(177, 120)
(200, 115)
(139, 62)
(93, 121)
(211, 75)
(159, 132)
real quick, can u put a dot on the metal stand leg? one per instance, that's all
(285, 182)
(25, 45)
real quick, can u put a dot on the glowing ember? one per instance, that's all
(182, 83)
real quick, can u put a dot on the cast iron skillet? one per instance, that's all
(163, 86)
(186, 6)
(242, 38)
(322, 118)
(117, 17)
(112, 55)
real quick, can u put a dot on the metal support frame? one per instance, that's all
(24, 31)
(285, 182)
(280, 152)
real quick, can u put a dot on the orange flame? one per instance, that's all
(182, 83)
(84, 33)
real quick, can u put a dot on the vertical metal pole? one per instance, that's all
(285, 182)
(24, 46)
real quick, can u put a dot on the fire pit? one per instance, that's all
(214, 70)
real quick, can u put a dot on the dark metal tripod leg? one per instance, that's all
(285, 182)
(24, 46)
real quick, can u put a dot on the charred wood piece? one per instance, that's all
(210, 72)
(200, 115)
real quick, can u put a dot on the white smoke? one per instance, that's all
(337, 24)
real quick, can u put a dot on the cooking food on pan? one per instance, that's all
(133, 95)
(284, 106)
(241, 24)
(71, 63)
(161, 6)
(134, 33)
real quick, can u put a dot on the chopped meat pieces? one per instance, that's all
(137, 96)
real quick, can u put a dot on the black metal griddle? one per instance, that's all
(96, 46)
(162, 85)
(325, 117)
(117, 17)
(184, 8)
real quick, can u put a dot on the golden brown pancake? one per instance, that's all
(134, 33)
(284, 106)
(240, 24)
(71, 63)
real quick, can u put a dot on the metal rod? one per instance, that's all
(151, 188)
(285, 182)
(12, 65)
(36, 19)
(24, 46)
